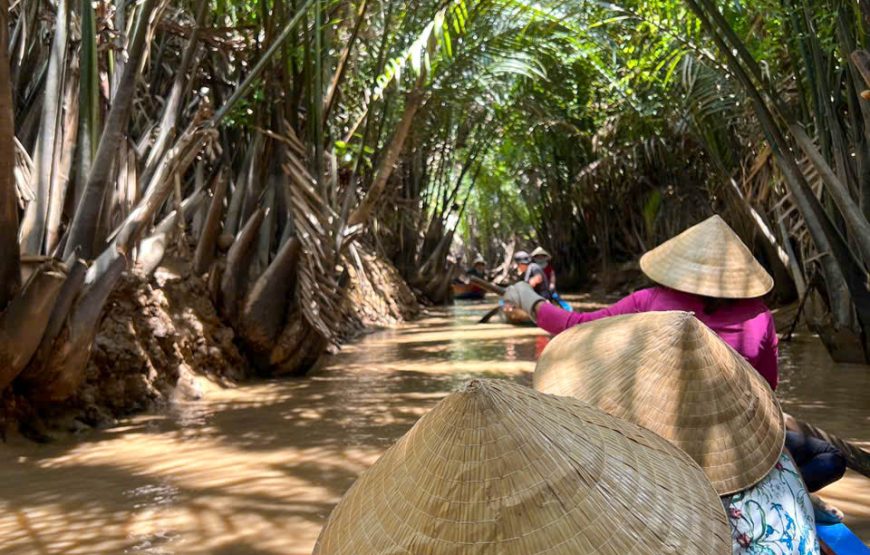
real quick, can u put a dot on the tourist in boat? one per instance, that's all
(533, 276)
(821, 464)
(496, 468)
(543, 259)
(708, 271)
(478, 268)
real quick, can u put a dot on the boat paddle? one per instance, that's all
(856, 458)
(492, 288)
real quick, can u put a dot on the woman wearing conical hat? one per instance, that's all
(706, 270)
(544, 259)
(478, 267)
(671, 374)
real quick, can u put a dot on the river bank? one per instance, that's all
(256, 469)
(162, 342)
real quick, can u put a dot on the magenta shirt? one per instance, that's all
(745, 324)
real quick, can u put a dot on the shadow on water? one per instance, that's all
(257, 469)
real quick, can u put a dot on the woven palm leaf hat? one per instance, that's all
(498, 468)
(707, 259)
(540, 251)
(671, 374)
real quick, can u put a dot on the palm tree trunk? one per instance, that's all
(36, 216)
(169, 120)
(64, 369)
(820, 228)
(72, 287)
(388, 160)
(205, 248)
(265, 309)
(855, 220)
(338, 76)
(25, 318)
(153, 248)
(10, 263)
(861, 63)
(89, 99)
(262, 63)
(84, 224)
(235, 276)
(66, 143)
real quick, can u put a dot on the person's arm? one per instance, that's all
(552, 281)
(767, 364)
(534, 275)
(556, 320)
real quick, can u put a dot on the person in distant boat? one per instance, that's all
(708, 271)
(478, 268)
(533, 276)
(543, 259)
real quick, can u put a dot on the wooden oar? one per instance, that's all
(483, 284)
(488, 316)
(492, 288)
(856, 458)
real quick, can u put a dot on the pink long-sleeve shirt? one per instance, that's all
(745, 324)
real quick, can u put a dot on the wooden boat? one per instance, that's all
(837, 539)
(467, 291)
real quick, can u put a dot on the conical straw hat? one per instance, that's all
(540, 251)
(668, 372)
(498, 468)
(707, 259)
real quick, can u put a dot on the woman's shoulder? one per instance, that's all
(670, 298)
(754, 308)
(777, 509)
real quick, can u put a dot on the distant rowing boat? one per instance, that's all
(468, 292)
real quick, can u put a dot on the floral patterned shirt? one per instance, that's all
(774, 517)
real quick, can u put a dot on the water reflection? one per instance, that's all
(835, 397)
(256, 470)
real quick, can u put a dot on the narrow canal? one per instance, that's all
(256, 469)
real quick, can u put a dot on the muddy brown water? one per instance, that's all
(257, 469)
